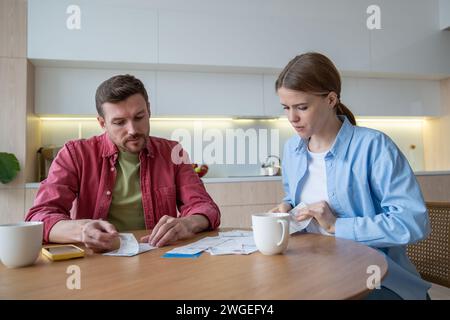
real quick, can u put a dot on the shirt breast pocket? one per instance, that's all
(166, 201)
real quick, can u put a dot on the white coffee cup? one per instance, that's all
(271, 232)
(20, 243)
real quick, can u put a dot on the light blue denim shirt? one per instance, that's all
(375, 196)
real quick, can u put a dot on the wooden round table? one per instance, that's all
(313, 267)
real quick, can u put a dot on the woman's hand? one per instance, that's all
(322, 213)
(282, 207)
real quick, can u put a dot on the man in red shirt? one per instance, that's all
(87, 170)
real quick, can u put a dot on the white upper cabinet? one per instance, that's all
(234, 51)
(91, 31)
(391, 97)
(72, 91)
(245, 34)
(381, 97)
(444, 14)
(272, 106)
(267, 38)
(410, 41)
(208, 94)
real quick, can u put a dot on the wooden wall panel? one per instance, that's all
(13, 80)
(12, 205)
(13, 103)
(436, 134)
(435, 188)
(30, 194)
(33, 129)
(13, 28)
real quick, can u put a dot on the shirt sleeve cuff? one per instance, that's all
(288, 200)
(210, 213)
(345, 228)
(50, 222)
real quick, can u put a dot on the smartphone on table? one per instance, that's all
(62, 252)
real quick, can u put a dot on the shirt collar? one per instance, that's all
(110, 149)
(341, 143)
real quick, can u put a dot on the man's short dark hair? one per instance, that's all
(119, 88)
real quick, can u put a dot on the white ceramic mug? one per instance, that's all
(271, 232)
(20, 243)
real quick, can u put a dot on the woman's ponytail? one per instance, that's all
(342, 110)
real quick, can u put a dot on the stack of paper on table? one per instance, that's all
(196, 247)
(232, 242)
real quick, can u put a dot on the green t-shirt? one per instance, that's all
(126, 212)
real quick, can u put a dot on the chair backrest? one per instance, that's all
(431, 256)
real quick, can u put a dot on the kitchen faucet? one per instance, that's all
(271, 167)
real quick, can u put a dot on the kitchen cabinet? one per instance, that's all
(409, 41)
(444, 14)
(266, 40)
(208, 94)
(239, 200)
(245, 35)
(219, 40)
(272, 106)
(391, 97)
(109, 31)
(72, 90)
(380, 97)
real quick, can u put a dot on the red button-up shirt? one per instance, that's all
(85, 170)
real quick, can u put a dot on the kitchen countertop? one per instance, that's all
(35, 185)
(241, 179)
(431, 173)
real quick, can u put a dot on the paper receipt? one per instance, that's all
(294, 225)
(129, 246)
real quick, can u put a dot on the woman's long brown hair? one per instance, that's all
(314, 73)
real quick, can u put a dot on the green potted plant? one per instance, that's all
(9, 167)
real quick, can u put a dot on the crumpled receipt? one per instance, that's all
(129, 246)
(294, 225)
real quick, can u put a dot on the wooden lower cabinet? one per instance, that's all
(241, 216)
(239, 200)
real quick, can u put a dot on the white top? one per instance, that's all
(315, 186)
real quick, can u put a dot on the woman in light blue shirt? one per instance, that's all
(356, 182)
